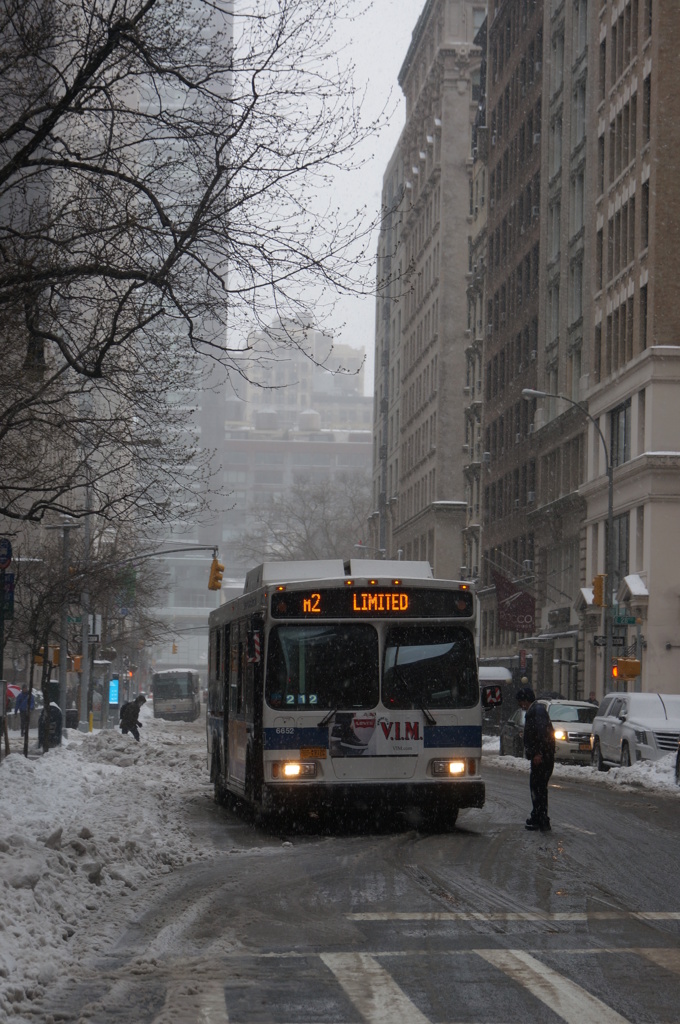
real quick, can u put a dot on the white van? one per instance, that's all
(630, 727)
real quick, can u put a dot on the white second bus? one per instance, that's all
(176, 694)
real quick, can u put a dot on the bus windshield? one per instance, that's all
(172, 687)
(326, 667)
(429, 666)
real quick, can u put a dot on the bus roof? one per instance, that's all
(333, 569)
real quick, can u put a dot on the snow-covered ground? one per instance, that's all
(102, 816)
(658, 776)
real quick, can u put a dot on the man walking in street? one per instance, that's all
(129, 716)
(539, 748)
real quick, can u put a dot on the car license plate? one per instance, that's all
(584, 746)
(313, 752)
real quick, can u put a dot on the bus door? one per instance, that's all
(237, 736)
(216, 716)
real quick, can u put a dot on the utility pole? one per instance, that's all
(84, 723)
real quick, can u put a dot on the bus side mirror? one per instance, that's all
(492, 696)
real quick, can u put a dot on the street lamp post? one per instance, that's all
(609, 545)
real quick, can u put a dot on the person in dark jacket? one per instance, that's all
(539, 748)
(129, 716)
(23, 706)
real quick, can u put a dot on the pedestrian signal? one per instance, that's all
(598, 590)
(215, 580)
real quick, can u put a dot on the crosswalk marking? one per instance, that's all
(564, 997)
(372, 989)
(201, 1002)
(533, 916)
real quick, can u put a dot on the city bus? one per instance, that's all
(176, 694)
(346, 685)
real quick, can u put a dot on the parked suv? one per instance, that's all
(572, 724)
(630, 727)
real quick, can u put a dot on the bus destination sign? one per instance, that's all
(369, 603)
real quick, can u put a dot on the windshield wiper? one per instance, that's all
(326, 718)
(419, 703)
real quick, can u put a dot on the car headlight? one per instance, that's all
(640, 736)
(560, 734)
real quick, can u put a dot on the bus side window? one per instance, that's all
(236, 674)
(223, 671)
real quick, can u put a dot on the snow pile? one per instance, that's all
(658, 776)
(95, 818)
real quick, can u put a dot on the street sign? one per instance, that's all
(5, 553)
(75, 618)
(624, 620)
(93, 638)
(617, 641)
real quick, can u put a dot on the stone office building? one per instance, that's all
(423, 260)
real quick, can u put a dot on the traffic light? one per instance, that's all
(174, 648)
(598, 590)
(625, 668)
(216, 570)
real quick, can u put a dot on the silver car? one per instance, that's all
(631, 727)
(572, 725)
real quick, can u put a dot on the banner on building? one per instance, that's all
(516, 608)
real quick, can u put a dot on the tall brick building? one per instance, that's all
(573, 232)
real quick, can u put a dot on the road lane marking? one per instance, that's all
(532, 916)
(564, 997)
(372, 989)
(669, 959)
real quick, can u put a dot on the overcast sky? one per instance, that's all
(380, 39)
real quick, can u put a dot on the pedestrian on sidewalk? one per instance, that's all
(539, 748)
(23, 706)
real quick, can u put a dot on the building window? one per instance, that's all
(620, 434)
(644, 215)
(579, 113)
(553, 312)
(554, 221)
(643, 317)
(620, 549)
(580, 26)
(557, 61)
(646, 109)
(556, 146)
(577, 202)
(576, 281)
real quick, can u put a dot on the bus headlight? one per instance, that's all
(457, 767)
(293, 769)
